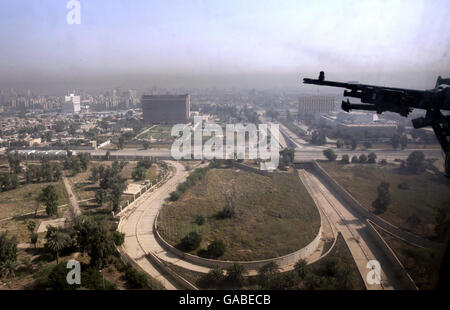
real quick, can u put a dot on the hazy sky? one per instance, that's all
(206, 43)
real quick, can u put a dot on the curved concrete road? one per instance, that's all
(138, 230)
(354, 231)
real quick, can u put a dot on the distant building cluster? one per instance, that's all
(167, 109)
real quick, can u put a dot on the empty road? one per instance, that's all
(354, 231)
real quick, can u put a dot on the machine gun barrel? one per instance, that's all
(347, 106)
(329, 83)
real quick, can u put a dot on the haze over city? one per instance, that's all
(222, 44)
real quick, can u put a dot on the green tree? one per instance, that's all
(49, 198)
(213, 278)
(118, 238)
(345, 159)
(216, 248)
(372, 158)
(330, 154)
(268, 274)
(442, 226)
(191, 241)
(34, 238)
(7, 268)
(99, 245)
(139, 173)
(403, 141)
(146, 145)
(31, 225)
(235, 274)
(362, 158)
(121, 142)
(416, 162)
(354, 144)
(384, 198)
(300, 268)
(101, 196)
(8, 247)
(83, 227)
(395, 141)
(56, 241)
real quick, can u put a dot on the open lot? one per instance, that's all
(420, 198)
(274, 215)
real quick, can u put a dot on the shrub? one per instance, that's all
(372, 158)
(118, 238)
(416, 162)
(383, 199)
(383, 162)
(199, 219)
(191, 241)
(235, 274)
(136, 279)
(403, 186)
(227, 212)
(362, 158)
(216, 248)
(345, 159)
(212, 279)
(174, 196)
(329, 154)
(355, 159)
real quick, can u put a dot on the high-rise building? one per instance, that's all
(309, 106)
(166, 108)
(71, 104)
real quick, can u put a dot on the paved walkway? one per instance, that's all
(354, 231)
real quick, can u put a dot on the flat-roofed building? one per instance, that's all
(309, 106)
(166, 108)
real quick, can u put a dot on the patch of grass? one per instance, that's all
(426, 193)
(274, 215)
(23, 199)
(423, 265)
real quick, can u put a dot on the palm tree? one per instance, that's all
(7, 268)
(300, 268)
(235, 274)
(56, 242)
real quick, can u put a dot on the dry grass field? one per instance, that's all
(425, 193)
(274, 214)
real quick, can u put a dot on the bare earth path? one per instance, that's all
(354, 231)
(73, 200)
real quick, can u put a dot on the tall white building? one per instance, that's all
(71, 104)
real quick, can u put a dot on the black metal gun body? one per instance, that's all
(401, 100)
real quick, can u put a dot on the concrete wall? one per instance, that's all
(288, 259)
(362, 211)
(251, 169)
(390, 255)
(180, 281)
